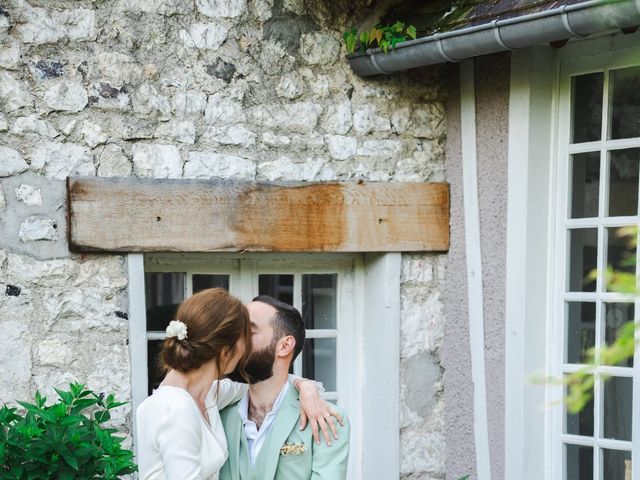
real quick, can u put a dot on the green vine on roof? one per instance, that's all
(382, 36)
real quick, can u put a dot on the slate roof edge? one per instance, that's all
(569, 21)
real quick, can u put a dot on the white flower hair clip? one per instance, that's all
(178, 329)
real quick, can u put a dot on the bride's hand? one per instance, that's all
(317, 411)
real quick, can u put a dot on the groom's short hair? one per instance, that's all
(286, 321)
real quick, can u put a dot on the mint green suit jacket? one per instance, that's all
(316, 462)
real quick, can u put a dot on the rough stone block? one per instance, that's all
(157, 161)
(147, 100)
(381, 148)
(207, 36)
(341, 147)
(107, 97)
(422, 326)
(9, 53)
(285, 168)
(161, 7)
(319, 48)
(29, 195)
(223, 110)
(92, 134)
(189, 103)
(274, 59)
(3, 205)
(66, 96)
(15, 354)
(78, 24)
(291, 86)
(4, 125)
(37, 26)
(273, 140)
(418, 268)
(37, 228)
(112, 162)
(215, 165)
(13, 93)
(366, 120)
(59, 160)
(301, 117)
(33, 124)
(118, 69)
(183, 132)
(11, 162)
(337, 119)
(231, 135)
(221, 8)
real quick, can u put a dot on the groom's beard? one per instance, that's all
(259, 366)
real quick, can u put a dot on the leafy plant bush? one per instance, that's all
(66, 440)
(383, 36)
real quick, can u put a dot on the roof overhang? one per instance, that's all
(559, 24)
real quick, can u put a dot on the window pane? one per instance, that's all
(163, 294)
(617, 465)
(202, 282)
(277, 286)
(585, 184)
(581, 330)
(582, 259)
(319, 301)
(154, 374)
(587, 107)
(581, 423)
(625, 103)
(616, 315)
(620, 251)
(623, 182)
(319, 361)
(618, 394)
(579, 462)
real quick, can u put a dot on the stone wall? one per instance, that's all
(235, 89)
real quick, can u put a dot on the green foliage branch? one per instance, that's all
(66, 440)
(382, 36)
(580, 384)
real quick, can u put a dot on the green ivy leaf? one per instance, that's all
(411, 31)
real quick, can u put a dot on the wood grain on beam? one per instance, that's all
(136, 215)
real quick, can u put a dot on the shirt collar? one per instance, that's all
(243, 406)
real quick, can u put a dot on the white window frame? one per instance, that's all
(368, 340)
(533, 416)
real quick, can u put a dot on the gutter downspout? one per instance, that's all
(569, 21)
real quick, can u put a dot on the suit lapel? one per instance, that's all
(285, 422)
(238, 451)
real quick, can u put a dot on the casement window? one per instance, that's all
(318, 289)
(597, 201)
(574, 156)
(351, 307)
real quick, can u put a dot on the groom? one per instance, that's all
(263, 434)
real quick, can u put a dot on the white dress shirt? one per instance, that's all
(255, 437)
(175, 441)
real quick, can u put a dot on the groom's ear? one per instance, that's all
(286, 345)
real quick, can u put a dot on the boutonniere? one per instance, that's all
(293, 449)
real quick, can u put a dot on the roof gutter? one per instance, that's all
(569, 21)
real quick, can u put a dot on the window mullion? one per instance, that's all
(297, 302)
(188, 284)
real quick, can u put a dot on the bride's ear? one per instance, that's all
(225, 357)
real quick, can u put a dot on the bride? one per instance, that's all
(179, 432)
